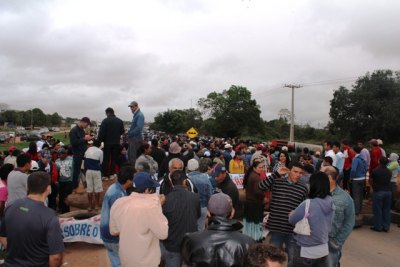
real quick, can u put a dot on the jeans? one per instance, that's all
(112, 251)
(65, 188)
(299, 261)
(134, 145)
(76, 170)
(335, 253)
(201, 221)
(111, 153)
(381, 207)
(346, 177)
(172, 259)
(278, 239)
(358, 194)
(53, 196)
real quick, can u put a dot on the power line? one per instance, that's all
(327, 82)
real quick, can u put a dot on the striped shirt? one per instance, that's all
(286, 197)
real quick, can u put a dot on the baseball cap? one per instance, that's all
(143, 180)
(12, 148)
(34, 166)
(217, 169)
(228, 146)
(220, 204)
(373, 142)
(207, 154)
(86, 119)
(133, 103)
(193, 165)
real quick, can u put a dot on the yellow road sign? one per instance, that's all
(192, 133)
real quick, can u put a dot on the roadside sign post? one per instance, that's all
(192, 133)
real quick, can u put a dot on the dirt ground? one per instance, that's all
(83, 254)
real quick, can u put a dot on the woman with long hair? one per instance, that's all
(283, 161)
(254, 203)
(32, 151)
(312, 250)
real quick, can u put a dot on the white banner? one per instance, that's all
(237, 179)
(81, 230)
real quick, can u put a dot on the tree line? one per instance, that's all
(369, 109)
(35, 117)
(232, 113)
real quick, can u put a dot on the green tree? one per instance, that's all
(39, 118)
(370, 109)
(177, 121)
(234, 112)
(340, 111)
(55, 119)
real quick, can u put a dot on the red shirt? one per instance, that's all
(376, 154)
(349, 158)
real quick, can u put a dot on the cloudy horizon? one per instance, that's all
(79, 57)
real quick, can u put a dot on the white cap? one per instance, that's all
(284, 148)
(228, 146)
(192, 165)
(34, 166)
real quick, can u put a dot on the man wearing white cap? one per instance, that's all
(380, 144)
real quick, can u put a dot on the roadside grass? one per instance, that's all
(62, 136)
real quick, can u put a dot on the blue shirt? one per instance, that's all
(344, 218)
(203, 186)
(340, 162)
(359, 167)
(114, 192)
(135, 132)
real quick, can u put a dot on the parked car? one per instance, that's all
(33, 136)
(54, 129)
(44, 130)
(3, 138)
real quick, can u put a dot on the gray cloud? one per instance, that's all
(180, 51)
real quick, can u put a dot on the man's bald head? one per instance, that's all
(330, 171)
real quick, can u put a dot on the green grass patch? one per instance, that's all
(58, 136)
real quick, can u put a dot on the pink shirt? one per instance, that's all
(3, 191)
(139, 220)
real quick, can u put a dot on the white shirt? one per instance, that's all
(331, 154)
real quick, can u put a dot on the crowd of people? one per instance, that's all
(173, 200)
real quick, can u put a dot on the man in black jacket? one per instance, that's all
(224, 183)
(221, 244)
(78, 140)
(110, 133)
(182, 209)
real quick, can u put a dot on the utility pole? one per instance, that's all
(291, 139)
(31, 119)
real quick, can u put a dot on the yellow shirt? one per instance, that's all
(236, 166)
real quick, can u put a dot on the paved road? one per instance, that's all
(366, 248)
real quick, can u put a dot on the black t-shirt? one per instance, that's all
(33, 233)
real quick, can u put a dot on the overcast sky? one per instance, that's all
(79, 57)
